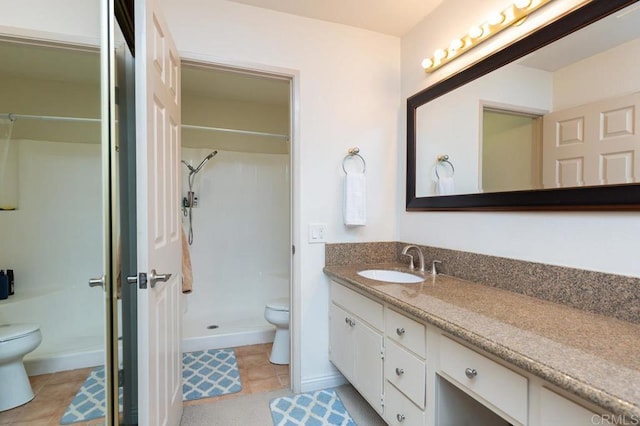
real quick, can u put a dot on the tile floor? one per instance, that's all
(54, 392)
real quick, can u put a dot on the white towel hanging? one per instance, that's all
(355, 199)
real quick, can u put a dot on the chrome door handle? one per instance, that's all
(133, 279)
(155, 277)
(400, 331)
(399, 371)
(97, 282)
(470, 372)
(400, 417)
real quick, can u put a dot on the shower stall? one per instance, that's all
(241, 214)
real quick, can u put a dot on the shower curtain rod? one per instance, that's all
(245, 132)
(12, 116)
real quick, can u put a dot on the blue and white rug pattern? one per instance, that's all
(321, 408)
(89, 402)
(204, 374)
(209, 373)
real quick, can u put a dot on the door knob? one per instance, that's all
(133, 279)
(470, 372)
(97, 282)
(155, 277)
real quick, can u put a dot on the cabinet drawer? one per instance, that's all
(406, 371)
(496, 384)
(407, 332)
(362, 306)
(399, 410)
(554, 407)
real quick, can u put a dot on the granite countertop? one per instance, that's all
(592, 356)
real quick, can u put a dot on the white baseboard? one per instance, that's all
(63, 362)
(312, 384)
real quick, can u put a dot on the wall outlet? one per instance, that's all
(317, 232)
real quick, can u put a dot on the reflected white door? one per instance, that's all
(593, 144)
(158, 202)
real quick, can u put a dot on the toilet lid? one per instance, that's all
(281, 304)
(14, 331)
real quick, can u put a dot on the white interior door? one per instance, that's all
(593, 144)
(158, 203)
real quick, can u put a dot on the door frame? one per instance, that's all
(536, 116)
(295, 299)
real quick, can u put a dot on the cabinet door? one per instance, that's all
(341, 341)
(367, 348)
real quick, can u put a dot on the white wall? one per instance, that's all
(54, 244)
(605, 241)
(348, 86)
(240, 251)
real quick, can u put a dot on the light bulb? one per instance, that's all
(521, 4)
(440, 54)
(455, 45)
(475, 32)
(496, 19)
(427, 63)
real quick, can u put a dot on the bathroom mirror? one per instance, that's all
(549, 122)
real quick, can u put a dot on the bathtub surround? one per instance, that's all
(239, 255)
(611, 295)
(56, 245)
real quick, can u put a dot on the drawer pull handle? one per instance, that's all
(400, 331)
(400, 417)
(349, 321)
(399, 371)
(470, 372)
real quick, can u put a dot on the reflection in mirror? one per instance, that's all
(563, 116)
(53, 239)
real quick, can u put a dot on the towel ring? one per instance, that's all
(442, 159)
(354, 152)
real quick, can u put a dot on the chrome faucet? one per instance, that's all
(420, 257)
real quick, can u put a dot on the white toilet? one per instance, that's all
(16, 340)
(277, 313)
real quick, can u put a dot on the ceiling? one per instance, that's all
(393, 17)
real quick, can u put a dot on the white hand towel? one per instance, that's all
(446, 186)
(355, 199)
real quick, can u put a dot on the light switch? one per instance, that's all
(317, 232)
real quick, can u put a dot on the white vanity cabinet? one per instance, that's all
(356, 342)
(415, 374)
(495, 386)
(405, 370)
(555, 408)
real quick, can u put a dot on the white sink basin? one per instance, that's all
(390, 276)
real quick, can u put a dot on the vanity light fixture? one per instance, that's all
(512, 15)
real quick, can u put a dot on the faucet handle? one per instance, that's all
(434, 270)
(411, 265)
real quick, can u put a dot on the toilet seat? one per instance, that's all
(15, 331)
(280, 304)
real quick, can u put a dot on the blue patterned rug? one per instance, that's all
(204, 374)
(321, 408)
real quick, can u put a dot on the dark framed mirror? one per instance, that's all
(562, 181)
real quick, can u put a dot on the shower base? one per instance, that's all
(248, 331)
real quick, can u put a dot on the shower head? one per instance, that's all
(207, 158)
